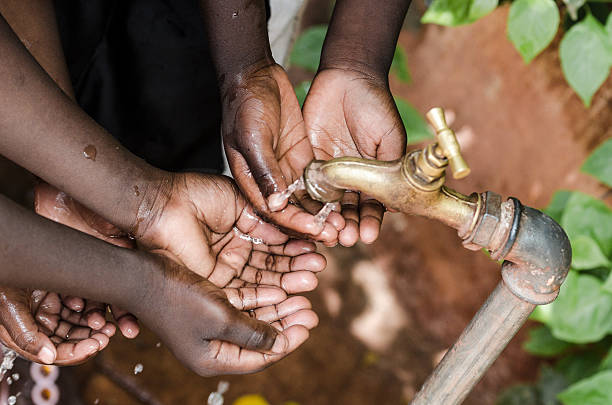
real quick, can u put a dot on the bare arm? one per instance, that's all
(47, 133)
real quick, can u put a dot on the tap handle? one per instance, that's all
(447, 141)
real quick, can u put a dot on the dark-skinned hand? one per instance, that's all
(267, 149)
(352, 113)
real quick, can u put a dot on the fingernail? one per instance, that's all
(280, 344)
(46, 355)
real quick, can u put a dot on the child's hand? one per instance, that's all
(196, 321)
(41, 328)
(204, 223)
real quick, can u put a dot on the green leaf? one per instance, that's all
(583, 312)
(586, 215)
(542, 343)
(457, 12)
(306, 52)
(542, 313)
(557, 204)
(399, 65)
(586, 254)
(607, 285)
(532, 25)
(596, 390)
(609, 26)
(417, 129)
(606, 363)
(573, 6)
(301, 90)
(599, 164)
(586, 57)
(578, 366)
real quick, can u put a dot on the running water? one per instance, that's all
(278, 200)
(322, 215)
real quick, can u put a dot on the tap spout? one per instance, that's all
(392, 184)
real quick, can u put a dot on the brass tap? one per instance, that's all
(447, 142)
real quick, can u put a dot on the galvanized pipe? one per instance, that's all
(479, 345)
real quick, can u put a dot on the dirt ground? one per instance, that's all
(389, 311)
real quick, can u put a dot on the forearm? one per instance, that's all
(362, 35)
(238, 36)
(39, 253)
(44, 131)
(35, 24)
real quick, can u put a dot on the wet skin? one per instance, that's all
(46, 132)
(197, 320)
(349, 110)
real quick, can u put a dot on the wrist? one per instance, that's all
(153, 192)
(374, 74)
(231, 80)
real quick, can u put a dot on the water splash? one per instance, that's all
(248, 238)
(322, 215)
(7, 362)
(138, 368)
(216, 398)
(278, 200)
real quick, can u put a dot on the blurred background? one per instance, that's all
(389, 311)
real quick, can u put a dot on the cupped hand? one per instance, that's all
(352, 113)
(205, 224)
(267, 148)
(41, 328)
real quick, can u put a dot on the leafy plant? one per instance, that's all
(585, 50)
(576, 327)
(306, 54)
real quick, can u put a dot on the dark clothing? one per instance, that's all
(142, 70)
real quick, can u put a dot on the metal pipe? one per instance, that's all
(497, 321)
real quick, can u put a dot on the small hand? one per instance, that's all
(39, 327)
(351, 113)
(267, 148)
(204, 223)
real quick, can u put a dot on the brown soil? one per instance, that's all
(523, 132)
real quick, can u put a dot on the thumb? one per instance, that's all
(19, 330)
(251, 334)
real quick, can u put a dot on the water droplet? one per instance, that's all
(158, 344)
(278, 200)
(138, 368)
(15, 376)
(12, 400)
(248, 238)
(90, 152)
(136, 191)
(7, 361)
(235, 14)
(96, 401)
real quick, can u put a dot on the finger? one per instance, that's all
(95, 314)
(232, 360)
(290, 217)
(350, 234)
(292, 283)
(370, 219)
(251, 224)
(21, 327)
(273, 313)
(73, 353)
(304, 317)
(249, 333)
(27, 348)
(313, 207)
(250, 298)
(76, 304)
(283, 264)
(128, 324)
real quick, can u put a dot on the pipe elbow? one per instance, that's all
(539, 259)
